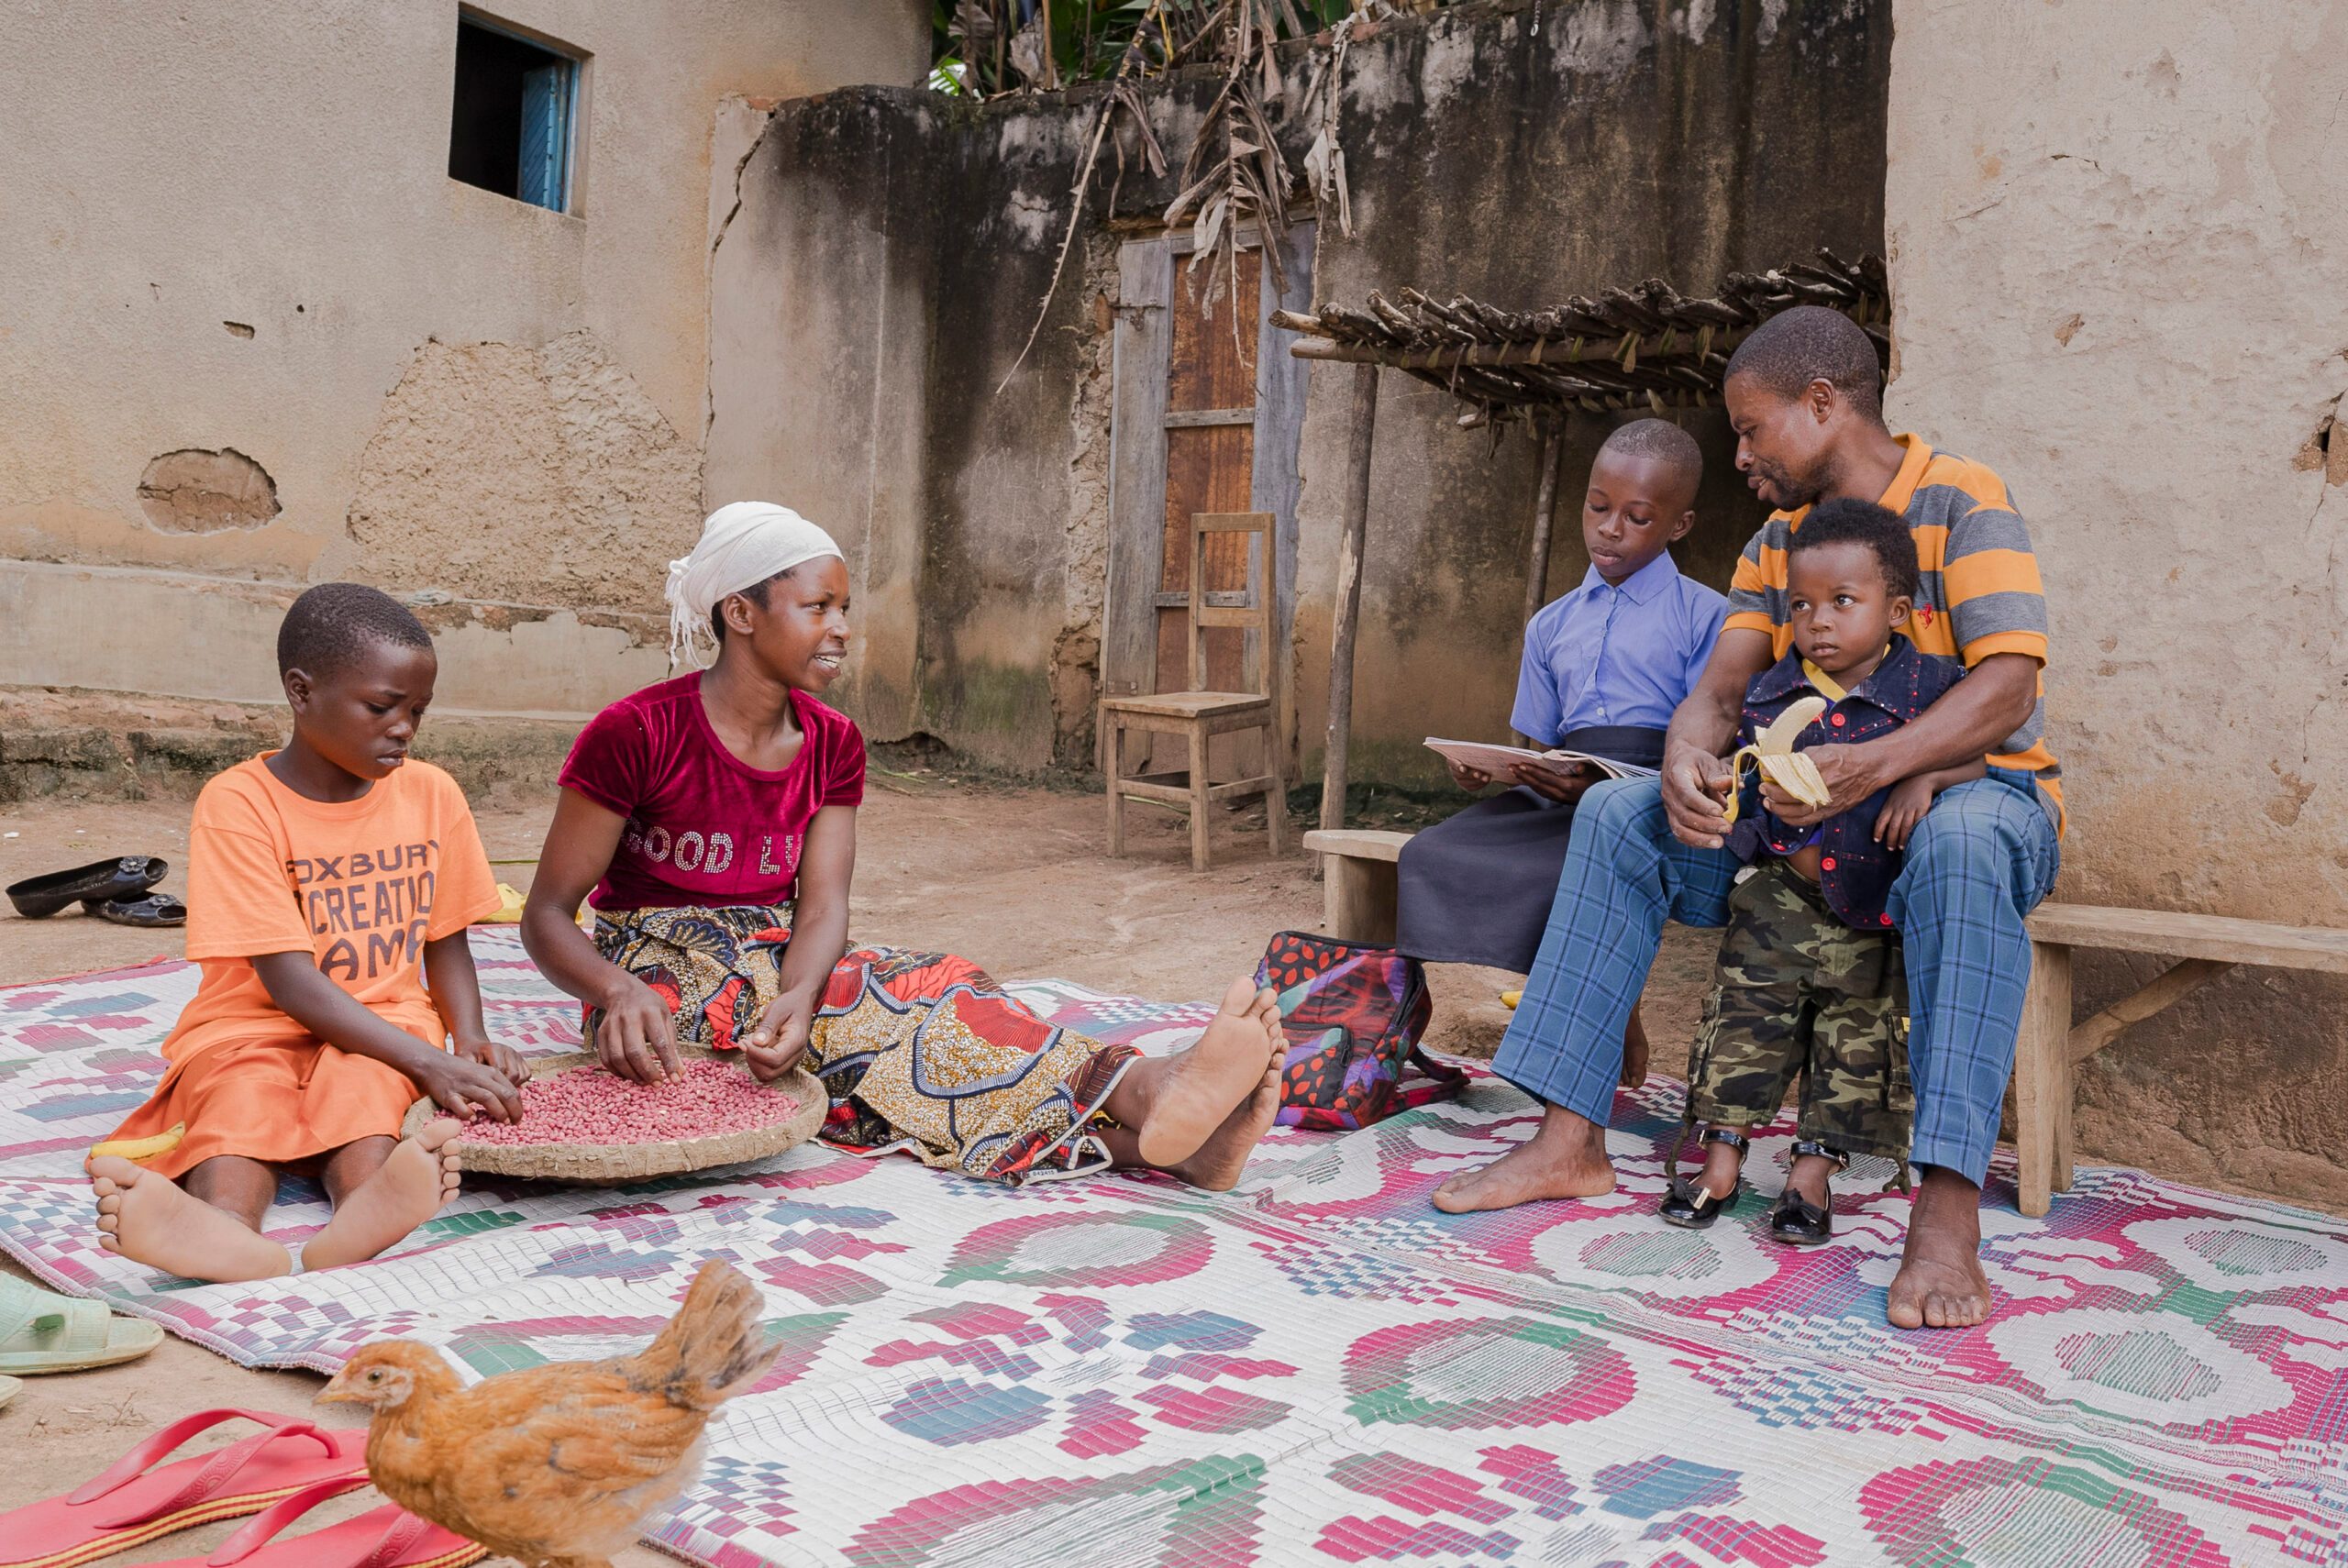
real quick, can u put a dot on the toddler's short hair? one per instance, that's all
(331, 624)
(1880, 528)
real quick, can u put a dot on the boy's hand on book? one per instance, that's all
(466, 1089)
(1466, 777)
(780, 1038)
(1555, 781)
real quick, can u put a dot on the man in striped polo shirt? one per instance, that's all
(1804, 393)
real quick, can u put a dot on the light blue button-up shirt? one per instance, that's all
(1624, 656)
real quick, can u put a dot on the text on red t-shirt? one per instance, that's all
(705, 829)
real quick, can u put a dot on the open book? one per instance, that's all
(1495, 760)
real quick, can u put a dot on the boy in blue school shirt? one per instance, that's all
(1810, 977)
(1603, 668)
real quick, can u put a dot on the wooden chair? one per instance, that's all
(1201, 716)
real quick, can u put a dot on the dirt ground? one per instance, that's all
(1016, 878)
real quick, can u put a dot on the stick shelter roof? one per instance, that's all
(1647, 347)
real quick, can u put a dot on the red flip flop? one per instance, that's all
(130, 1505)
(387, 1537)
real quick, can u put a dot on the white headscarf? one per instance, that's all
(742, 545)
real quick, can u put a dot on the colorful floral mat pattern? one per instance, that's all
(1320, 1367)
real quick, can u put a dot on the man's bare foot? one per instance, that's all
(1175, 1104)
(1565, 1158)
(1939, 1284)
(1635, 1052)
(415, 1180)
(1221, 1159)
(151, 1220)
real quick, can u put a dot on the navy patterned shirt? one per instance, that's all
(1853, 871)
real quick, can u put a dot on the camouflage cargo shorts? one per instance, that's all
(1796, 992)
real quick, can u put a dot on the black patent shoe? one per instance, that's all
(1797, 1221)
(36, 898)
(156, 909)
(1689, 1204)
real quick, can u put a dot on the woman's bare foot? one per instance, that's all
(1939, 1284)
(1565, 1158)
(1217, 1165)
(151, 1220)
(415, 1180)
(1174, 1105)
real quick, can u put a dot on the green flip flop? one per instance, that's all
(43, 1332)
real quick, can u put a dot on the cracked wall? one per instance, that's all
(295, 349)
(2120, 261)
(483, 446)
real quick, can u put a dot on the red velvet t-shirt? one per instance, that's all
(703, 829)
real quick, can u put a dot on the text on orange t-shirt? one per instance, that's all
(361, 885)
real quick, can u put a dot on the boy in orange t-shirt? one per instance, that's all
(329, 887)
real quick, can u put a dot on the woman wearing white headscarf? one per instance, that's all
(710, 820)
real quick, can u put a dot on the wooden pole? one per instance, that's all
(1545, 513)
(1349, 553)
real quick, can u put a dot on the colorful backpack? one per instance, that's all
(1353, 1016)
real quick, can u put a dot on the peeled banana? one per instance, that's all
(1773, 753)
(135, 1149)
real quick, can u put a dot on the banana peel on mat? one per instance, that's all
(1772, 751)
(136, 1149)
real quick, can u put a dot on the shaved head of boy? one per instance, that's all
(359, 670)
(329, 627)
(1642, 497)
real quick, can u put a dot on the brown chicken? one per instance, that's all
(557, 1466)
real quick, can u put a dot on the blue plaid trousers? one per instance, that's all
(1978, 863)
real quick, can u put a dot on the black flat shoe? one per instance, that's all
(37, 897)
(154, 909)
(1797, 1221)
(1691, 1206)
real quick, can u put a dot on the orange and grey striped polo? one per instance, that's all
(1981, 592)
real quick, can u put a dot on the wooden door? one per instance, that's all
(1210, 425)
(1209, 409)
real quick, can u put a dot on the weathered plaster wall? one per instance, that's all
(2120, 265)
(877, 282)
(231, 227)
(1558, 150)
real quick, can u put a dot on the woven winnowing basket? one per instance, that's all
(608, 1164)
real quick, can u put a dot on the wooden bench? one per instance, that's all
(1359, 898)
(2052, 1045)
(1358, 881)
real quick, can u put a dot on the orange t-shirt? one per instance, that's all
(361, 885)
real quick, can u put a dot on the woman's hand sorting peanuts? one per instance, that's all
(637, 1038)
(780, 1038)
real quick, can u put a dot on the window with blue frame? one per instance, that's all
(512, 130)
